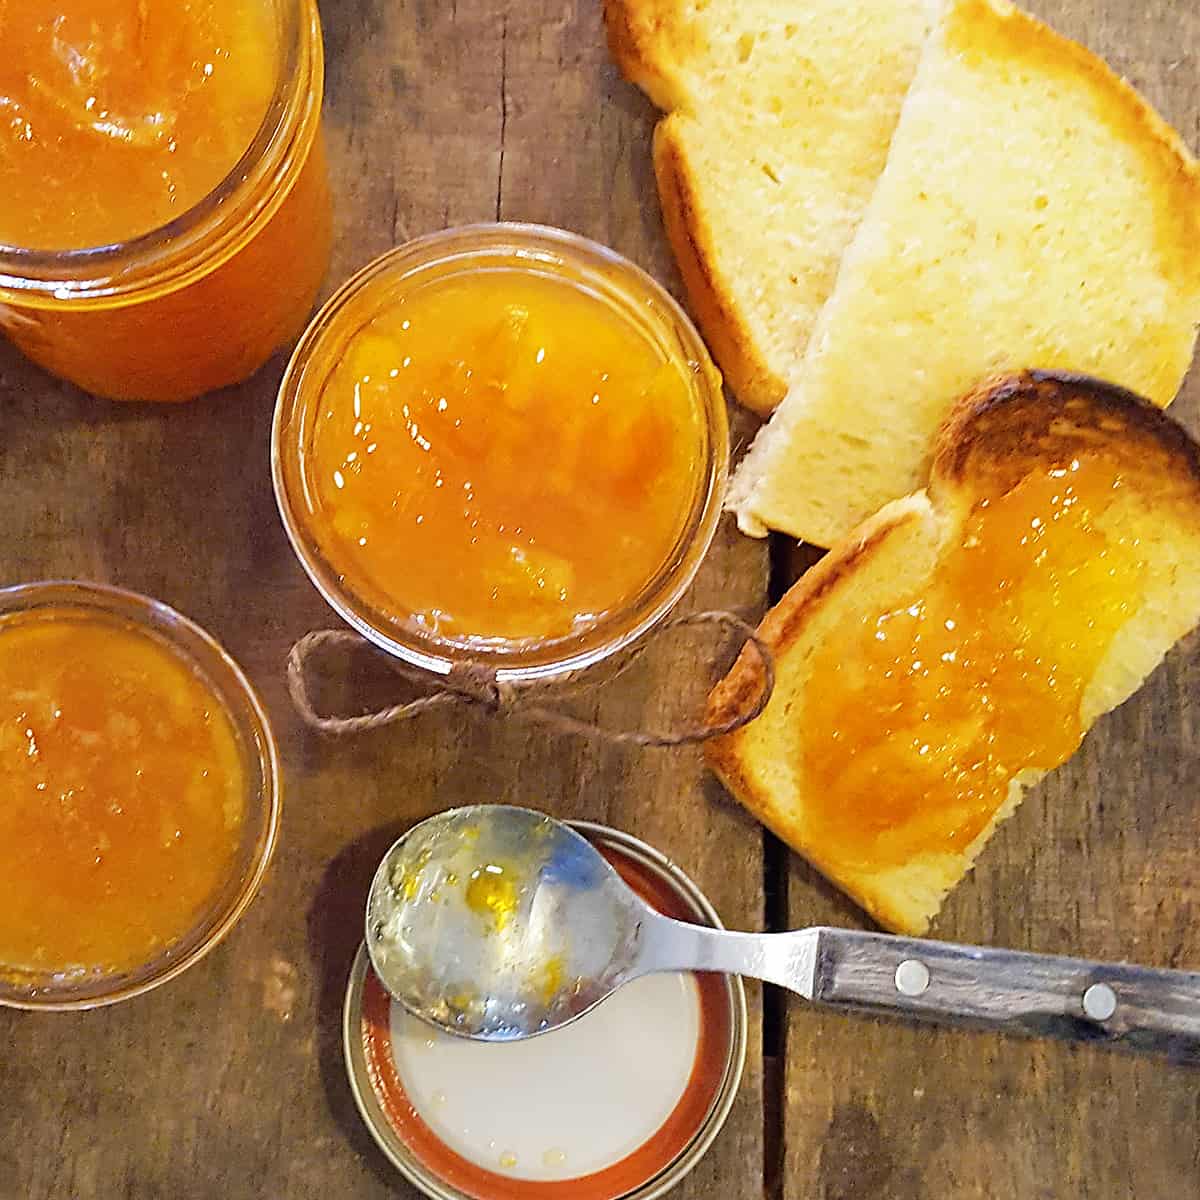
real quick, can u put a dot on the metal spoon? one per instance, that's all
(501, 923)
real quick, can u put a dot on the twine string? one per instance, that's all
(478, 685)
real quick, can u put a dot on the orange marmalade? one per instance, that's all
(177, 141)
(499, 455)
(116, 116)
(931, 708)
(123, 795)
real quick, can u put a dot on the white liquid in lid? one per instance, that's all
(566, 1104)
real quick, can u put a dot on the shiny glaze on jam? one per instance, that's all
(500, 456)
(928, 710)
(117, 116)
(123, 795)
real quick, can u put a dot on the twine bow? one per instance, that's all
(479, 685)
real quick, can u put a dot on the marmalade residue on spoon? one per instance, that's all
(493, 894)
(929, 709)
(500, 455)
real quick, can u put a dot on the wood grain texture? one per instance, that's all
(230, 1082)
(1100, 861)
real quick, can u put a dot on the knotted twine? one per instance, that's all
(474, 684)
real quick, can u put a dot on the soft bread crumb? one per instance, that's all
(781, 112)
(1033, 211)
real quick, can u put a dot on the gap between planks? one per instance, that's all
(503, 113)
(787, 562)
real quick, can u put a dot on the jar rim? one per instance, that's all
(170, 250)
(514, 660)
(260, 753)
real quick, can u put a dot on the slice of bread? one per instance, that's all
(780, 115)
(1034, 211)
(849, 783)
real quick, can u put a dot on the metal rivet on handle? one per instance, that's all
(912, 977)
(1099, 1002)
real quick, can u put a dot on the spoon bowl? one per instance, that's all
(496, 922)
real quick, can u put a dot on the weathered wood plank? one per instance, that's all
(230, 1081)
(1100, 861)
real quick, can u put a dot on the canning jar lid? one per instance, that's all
(622, 1103)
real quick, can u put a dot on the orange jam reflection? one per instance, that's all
(116, 116)
(932, 707)
(123, 795)
(501, 456)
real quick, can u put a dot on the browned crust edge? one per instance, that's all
(1023, 417)
(632, 28)
(1008, 420)
(783, 623)
(753, 383)
(779, 628)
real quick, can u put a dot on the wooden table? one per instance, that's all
(229, 1082)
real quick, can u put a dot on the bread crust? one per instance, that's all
(728, 335)
(995, 435)
(781, 628)
(635, 41)
(1145, 337)
(1009, 422)
(646, 39)
(694, 62)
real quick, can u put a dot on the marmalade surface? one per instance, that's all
(931, 708)
(117, 116)
(123, 795)
(499, 456)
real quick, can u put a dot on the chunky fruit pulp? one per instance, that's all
(183, 85)
(117, 116)
(123, 795)
(500, 456)
(931, 708)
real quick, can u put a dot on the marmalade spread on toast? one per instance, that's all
(123, 795)
(930, 709)
(119, 115)
(499, 455)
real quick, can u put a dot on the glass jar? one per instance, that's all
(629, 296)
(260, 771)
(204, 301)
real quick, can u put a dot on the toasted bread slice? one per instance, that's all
(780, 115)
(1034, 211)
(1092, 619)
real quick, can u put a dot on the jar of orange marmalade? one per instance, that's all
(141, 790)
(165, 220)
(501, 445)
